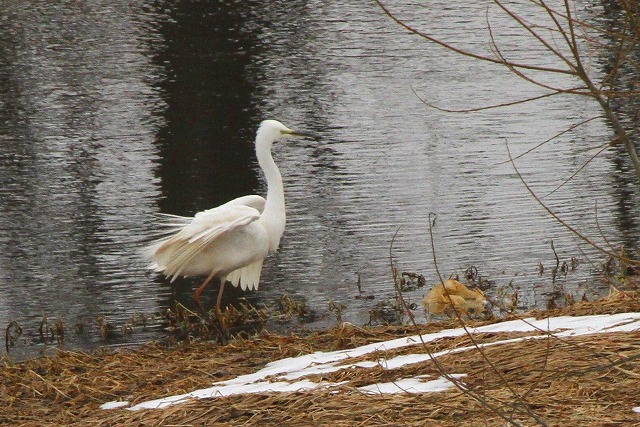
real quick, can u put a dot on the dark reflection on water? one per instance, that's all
(112, 111)
(624, 185)
(211, 113)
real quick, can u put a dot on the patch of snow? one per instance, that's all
(411, 385)
(288, 374)
(114, 405)
(636, 409)
(228, 390)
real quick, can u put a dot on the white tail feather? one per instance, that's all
(247, 277)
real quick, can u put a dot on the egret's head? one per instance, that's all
(272, 131)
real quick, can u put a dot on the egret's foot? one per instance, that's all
(222, 335)
(216, 323)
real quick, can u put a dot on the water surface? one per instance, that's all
(114, 111)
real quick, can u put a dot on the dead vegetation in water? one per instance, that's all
(589, 380)
(240, 319)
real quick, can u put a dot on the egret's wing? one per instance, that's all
(174, 254)
(253, 201)
(209, 224)
(169, 224)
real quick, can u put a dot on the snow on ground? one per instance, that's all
(288, 375)
(411, 385)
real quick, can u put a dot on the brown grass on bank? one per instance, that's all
(579, 381)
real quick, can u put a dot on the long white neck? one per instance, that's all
(274, 211)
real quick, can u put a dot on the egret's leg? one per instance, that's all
(219, 301)
(198, 292)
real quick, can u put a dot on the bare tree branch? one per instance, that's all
(567, 26)
(462, 51)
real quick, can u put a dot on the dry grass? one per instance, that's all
(582, 381)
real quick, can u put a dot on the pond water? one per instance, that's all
(112, 111)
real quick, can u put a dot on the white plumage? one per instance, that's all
(231, 240)
(215, 237)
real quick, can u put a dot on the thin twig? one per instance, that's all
(584, 165)
(457, 383)
(557, 135)
(606, 241)
(486, 107)
(560, 220)
(470, 335)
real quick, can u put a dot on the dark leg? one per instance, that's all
(198, 292)
(219, 301)
(217, 322)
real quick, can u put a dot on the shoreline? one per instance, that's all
(601, 382)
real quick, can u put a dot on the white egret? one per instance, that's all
(230, 241)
